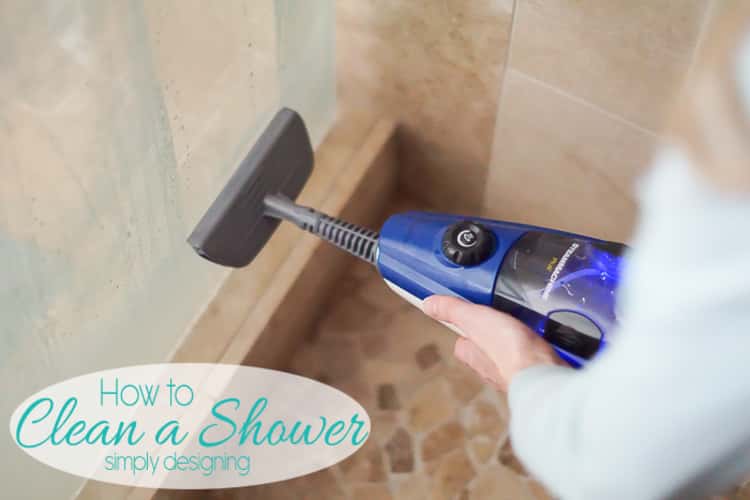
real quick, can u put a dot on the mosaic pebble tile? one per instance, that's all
(428, 356)
(441, 440)
(400, 451)
(387, 397)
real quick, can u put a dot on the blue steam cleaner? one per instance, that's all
(561, 285)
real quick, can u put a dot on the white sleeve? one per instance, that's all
(665, 410)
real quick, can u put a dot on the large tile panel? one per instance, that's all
(628, 57)
(560, 162)
(436, 67)
(217, 71)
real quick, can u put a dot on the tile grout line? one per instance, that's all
(708, 14)
(500, 95)
(509, 52)
(506, 69)
(588, 104)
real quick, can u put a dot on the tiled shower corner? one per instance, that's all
(437, 430)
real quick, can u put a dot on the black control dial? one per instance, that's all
(467, 243)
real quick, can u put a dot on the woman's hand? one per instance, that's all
(496, 345)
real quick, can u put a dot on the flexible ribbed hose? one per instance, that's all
(358, 241)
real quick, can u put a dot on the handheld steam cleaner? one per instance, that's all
(561, 285)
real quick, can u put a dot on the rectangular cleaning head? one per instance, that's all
(234, 229)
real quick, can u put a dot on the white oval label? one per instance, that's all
(189, 426)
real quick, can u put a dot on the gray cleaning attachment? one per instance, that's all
(260, 194)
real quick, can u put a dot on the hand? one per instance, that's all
(496, 345)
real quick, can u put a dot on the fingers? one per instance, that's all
(458, 312)
(481, 324)
(496, 345)
(468, 353)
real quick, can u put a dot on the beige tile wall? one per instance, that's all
(218, 85)
(436, 67)
(562, 162)
(541, 111)
(625, 57)
(584, 95)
